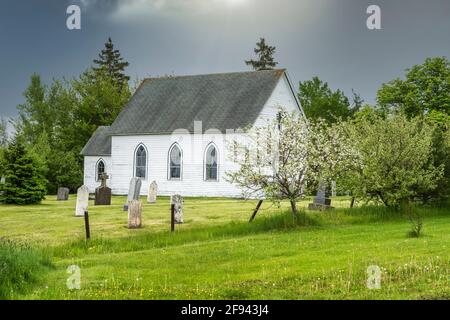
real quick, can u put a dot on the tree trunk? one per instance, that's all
(352, 203)
(294, 209)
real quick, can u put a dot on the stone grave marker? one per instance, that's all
(134, 214)
(82, 201)
(103, 193)
(178, 201)
(321, 202)
(63, 194)
(152, 192)
(134, 191)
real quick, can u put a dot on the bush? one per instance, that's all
(395, 158)
(25, 182)
(20, 266)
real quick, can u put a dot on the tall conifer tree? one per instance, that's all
(111, 62)
(265, 57)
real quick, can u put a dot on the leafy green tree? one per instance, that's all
(35, 115)
(25, 181)
(57, 120)
(98, 103)
(320, 102)
(394, 158)
(440, 157)
(111, 63)
(265, 55)
(424, 91)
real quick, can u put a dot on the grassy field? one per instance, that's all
(216, 254)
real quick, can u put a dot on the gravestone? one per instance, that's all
(333, 188)
(177, 201)
(103, 193)
(134, 214)
(134, 191)
(63, 194)
(82, 201)
(321, 202)
(152, 192)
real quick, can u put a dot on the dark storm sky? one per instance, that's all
(327, 38)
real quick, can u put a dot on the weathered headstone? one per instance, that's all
(134, 191)
(63, 194)
(177, 201)
(333, 188)
(152, 192)
(134, 214)
(103, 193)
(82, 201)
(321, 202)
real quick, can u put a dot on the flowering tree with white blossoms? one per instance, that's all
(276, 161)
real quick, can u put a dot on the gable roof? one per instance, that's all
(99, 144)
(220, 101)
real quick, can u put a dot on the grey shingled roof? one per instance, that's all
(99, 144)
(220, 101)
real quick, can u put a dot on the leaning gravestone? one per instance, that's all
(152, 192)
(321, 202)
(177, 201)
(82, 201)
(134, 214)
(63, 194)
(103, 193)
(134, 191)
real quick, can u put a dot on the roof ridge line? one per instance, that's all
(212, 74)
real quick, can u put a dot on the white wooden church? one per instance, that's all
(173, 131)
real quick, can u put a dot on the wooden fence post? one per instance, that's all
(172, 218)
(256, 211)
(86, 225)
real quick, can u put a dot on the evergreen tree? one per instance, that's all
(25, 182)
(3, 144)
(112, 64)
(265, 54)
(3, 133)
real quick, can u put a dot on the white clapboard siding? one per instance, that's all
(120, 166)
(282, 97)
(90, 171)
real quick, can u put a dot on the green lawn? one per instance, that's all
(216, 254)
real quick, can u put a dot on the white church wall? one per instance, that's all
(90, 171)
(282, 97)
(192, 182)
